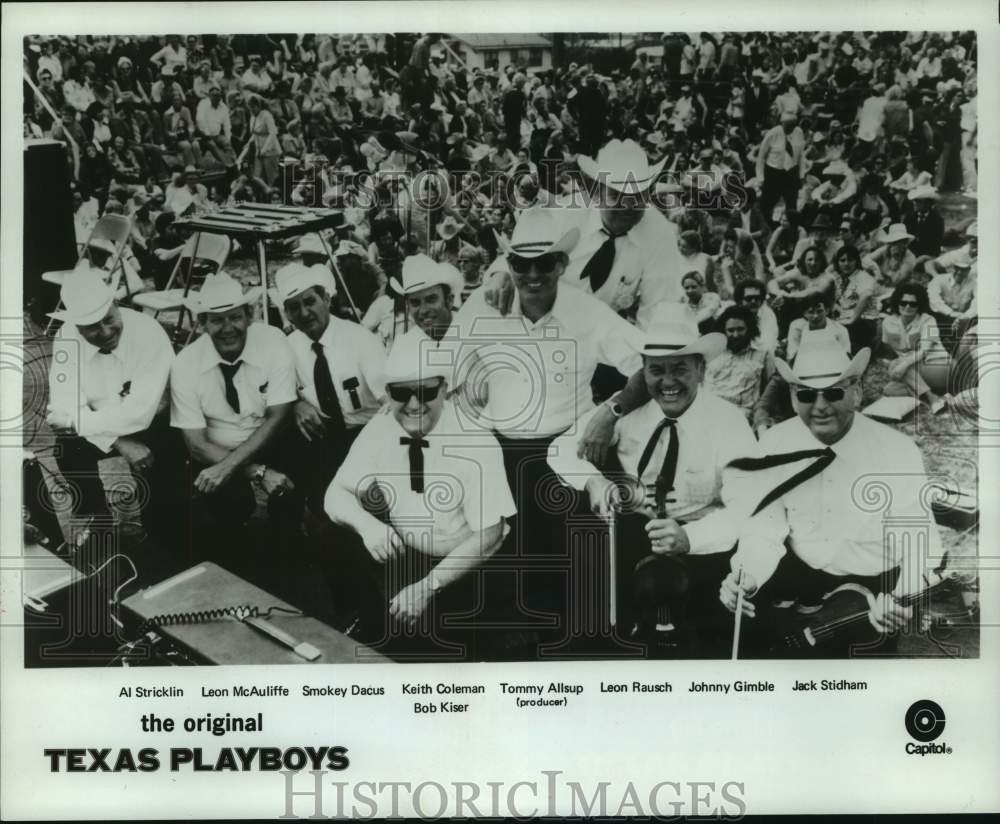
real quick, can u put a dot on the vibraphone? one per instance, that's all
(258, 223)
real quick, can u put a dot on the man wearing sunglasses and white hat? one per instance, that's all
(232, 393)
(441, 493)
(339, 366)
(530, 372)
(810, 531)
(674, 545)
(120, 360)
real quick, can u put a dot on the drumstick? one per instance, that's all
(739, 615)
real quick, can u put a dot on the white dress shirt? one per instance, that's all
(537, 375)
(831, 522)
(773, 151)
(648, 265)
(351, 352)
(711, 433)
(465, 484)
(213, 120)
(117, 394)
(198, 390)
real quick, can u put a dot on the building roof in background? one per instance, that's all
(504, 41)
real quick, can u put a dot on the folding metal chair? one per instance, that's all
(203, 254)
(111, 231)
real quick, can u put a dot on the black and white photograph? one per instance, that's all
(635, 390)
(500, 347)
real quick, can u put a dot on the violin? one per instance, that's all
(842, 617)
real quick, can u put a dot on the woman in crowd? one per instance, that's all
(739, 260)
(919, 362)
(690, 244)
(893, 259)
(783, 241)
(857, 298)
(809, 276)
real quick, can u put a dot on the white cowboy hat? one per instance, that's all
(973, 229)
(448, 228)
(621, 165)
(538, 232)
(294, 278)
(923, 193)
(672, 334)
(86, 297)
(821, 366)
(310, 245)
(349, 247)
(220, 293)
(420, 272)
(962, 260)
(897, 231)
(415, 357)
(838, 167)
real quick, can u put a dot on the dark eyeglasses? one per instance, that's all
(754, 298)
(908, 303)
(832, 394)
(423, 394)
(543, 264)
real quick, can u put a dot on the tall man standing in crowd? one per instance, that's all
(780, 165)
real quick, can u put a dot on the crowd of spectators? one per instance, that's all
(803, 170)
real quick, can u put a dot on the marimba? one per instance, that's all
(258, 223)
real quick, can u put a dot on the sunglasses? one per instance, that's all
(908, 303)
(423, 394)
(754, 298)
(543, 264)
(832, 394)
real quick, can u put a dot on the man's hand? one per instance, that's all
(275, 481)
(593, 446)
(411, 602)
(61, 422)
(887, 615)
(309, 421)
(499, 292)
(730, 589)
(383, 542)
(213, 478)
(138, 455)
(667, 537)
(604, 496)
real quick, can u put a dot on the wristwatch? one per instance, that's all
(614, 406)
(258, 475)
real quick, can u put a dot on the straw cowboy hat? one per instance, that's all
(85, 296)
(414, 358)
(220, 293)
(420, 272)
(538, 233)
(671, 334)
(895, 232)
(923, 193)
(821, 366)
(621, 165)
(295, 278)
(448, 228)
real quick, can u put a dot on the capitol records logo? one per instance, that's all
(924, 722)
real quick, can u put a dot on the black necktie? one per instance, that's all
(417, 446)
(665, 478)
(229, 371)
(790, 149)
(329, 404)
(824, 457)
(598, 268)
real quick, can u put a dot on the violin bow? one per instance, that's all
(739, 615)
